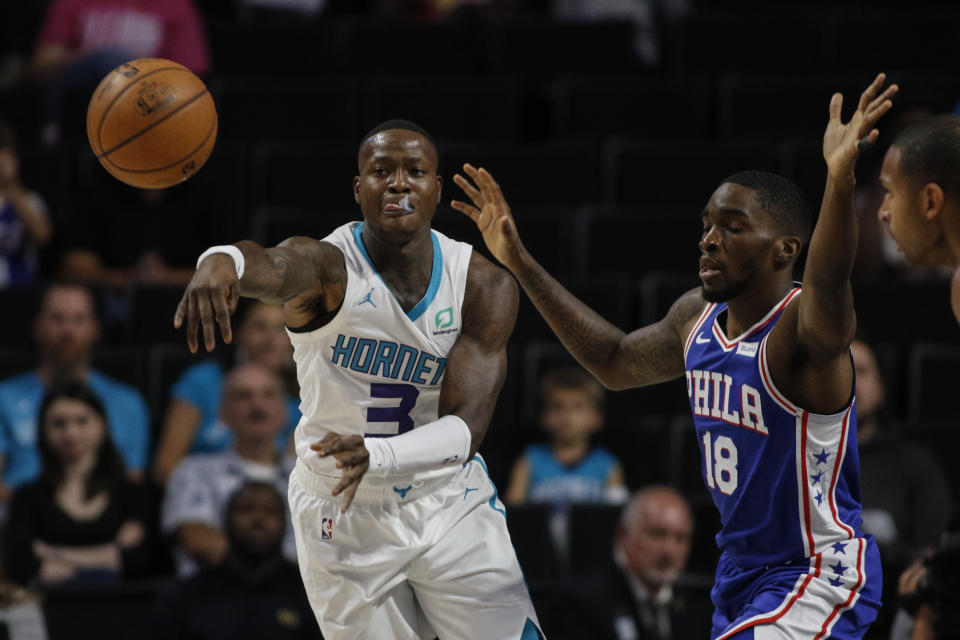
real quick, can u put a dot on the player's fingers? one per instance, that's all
(352, 457)
(221, 312)
(836, 106)
(870, 92)
(180, 312)
(206, 322)
(348, 497)
(883, 97)
(467, 209)
(193, 323)
(472, 192)
(488, 185)
(323, 446)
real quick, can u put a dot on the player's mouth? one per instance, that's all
(400, 208)
(709, 268)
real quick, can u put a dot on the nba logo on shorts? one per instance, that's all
(326, 529)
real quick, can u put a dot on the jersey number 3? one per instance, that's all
(721, 463)
(406, 393)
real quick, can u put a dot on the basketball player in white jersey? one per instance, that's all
(399, 338)
(770, 381)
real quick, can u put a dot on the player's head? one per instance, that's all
(755, 223)
(255, 520)
(73, 430)
(572, 404)
(398, 184)
(253, 404)
(921, 181)
(66, 326)
(654, 535)
(261, 337)
(870, 390)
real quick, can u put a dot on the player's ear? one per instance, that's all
(787, 250)
(356, 189)
(439, 187)
(931, 200)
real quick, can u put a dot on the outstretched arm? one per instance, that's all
(275, 275)
(618, 360)
(826, 319)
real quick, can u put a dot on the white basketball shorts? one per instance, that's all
(411, 563)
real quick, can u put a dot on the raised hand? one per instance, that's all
(842, 142)
(491, 213)
(352, 458)
(209, 300)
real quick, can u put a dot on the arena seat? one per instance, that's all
(271, 225)
(305, 176)
(529, 527)
(933, 381)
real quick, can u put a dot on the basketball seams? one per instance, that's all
(213, 129)
(150, 126)
(103, 116)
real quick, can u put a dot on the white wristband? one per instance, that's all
(438, 444)
(231, 251)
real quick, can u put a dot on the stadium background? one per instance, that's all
(606, 160)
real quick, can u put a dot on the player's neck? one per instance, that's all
(398, 254)
(750, 307)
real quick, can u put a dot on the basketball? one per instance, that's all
(151, 123)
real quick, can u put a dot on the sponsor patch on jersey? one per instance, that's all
(748, 349)
(326, 529)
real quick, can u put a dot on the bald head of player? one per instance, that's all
(397, 186)
(754, 227)
(921, 182)
(653, 536)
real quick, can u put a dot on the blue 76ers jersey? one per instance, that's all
(786, 481)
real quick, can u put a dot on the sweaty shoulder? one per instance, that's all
(684, 312)
(330, 281)
(491, 295)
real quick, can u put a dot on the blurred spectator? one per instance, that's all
(253, 407)
(192, 424)
(569, 468)
(82, 520)
(24, 225)
(82, 40)
(905, 496)
(20, 613)
(65, 330)
(643, 596)
(253, 593)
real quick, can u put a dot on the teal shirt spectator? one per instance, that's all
(20, 398)
(200, 387)
(553, 482)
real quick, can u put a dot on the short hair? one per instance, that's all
(930, 152)
(783, 199)
(399, 123)
(573, 378)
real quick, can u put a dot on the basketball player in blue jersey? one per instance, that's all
(770, 380)
(399, 337)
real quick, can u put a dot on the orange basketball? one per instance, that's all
(151, 123)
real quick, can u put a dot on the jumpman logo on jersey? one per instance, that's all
(403, 491)
(367, 299)
(468, 490)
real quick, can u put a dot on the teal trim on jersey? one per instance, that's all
(493, 498)
(531, 632)
(436, 274)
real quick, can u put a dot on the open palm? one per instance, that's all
(842, 142)
(491, 213)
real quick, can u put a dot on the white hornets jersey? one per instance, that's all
(374, 369)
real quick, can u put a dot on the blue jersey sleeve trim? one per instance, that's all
(435, 276)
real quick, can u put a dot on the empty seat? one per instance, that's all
(540, 48)
(529, 527)
(256, 49)
(637, 240)
(640, 441)
(658, 292)
(561, 172)
(591, 530)
(647, 173)
(921, 312)
(634, 106)
(447, 47)
(761, 40)
(293, 109)
(933, 381)
(755, 105)
(311, 177)
(272, 225)
(449, 107)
